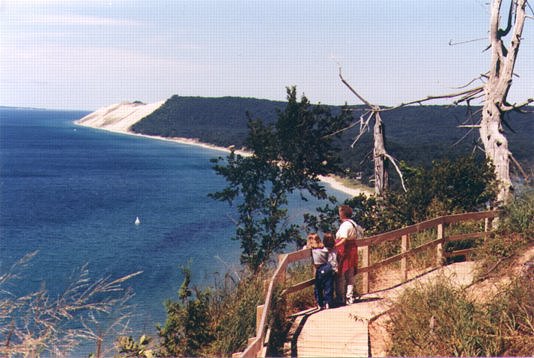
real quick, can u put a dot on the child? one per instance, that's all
(313, 242)
(325, 262)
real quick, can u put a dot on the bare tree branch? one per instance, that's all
(471, 128)
(505, 32)
(353, 91)
(392, 160)
(525, 175)
(470, 96)
(452, 43)
(515, 107)
(364, 126)
(479, 78)
(432, 98)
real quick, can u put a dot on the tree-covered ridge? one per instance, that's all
(415, 134)
(220, 121)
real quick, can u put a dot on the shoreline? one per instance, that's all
(328, 180)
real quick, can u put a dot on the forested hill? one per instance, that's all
(220, 121)
(414, 134)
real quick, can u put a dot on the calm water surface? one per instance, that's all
(73, 193)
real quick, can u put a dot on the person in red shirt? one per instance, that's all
(347, 253)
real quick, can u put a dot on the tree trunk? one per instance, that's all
(496, 148)
(496, 90)
(379, 151)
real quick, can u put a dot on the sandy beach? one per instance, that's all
(119, 118)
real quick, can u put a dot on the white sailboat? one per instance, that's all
(137, 221)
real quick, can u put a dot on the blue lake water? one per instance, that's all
(73, 193)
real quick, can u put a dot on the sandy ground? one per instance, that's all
(120, 117)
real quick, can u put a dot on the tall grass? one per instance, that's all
(234, 311)
(515, 231)
(38, 322)
(215, 321)
(440, 320)
(518, 216)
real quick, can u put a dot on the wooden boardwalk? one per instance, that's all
(343, 331)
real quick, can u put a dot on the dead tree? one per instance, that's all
(499, 80)
(493, 93)
(380, 155)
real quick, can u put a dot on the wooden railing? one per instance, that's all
(257, 346)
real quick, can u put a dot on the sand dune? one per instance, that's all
(119, 117)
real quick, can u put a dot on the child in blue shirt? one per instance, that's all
(325, 262)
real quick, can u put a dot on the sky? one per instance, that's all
(88, 54)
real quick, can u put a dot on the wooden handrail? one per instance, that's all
(257, 345)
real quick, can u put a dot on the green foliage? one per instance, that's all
(518, 216)
(464, 184)
(215, 321)
(366, 212)
(234, 311)
(187, 329)
(515, 231)
(440, 320)
(220, 121)
(287, 156)
(415, 134)
(450, 186)
(129, 348)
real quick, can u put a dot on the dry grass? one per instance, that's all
(88, 310)
(441, 320)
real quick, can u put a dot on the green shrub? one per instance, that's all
(188, 327)
(450, 186)
(518, 216)
(127, 347)
(515, 231)
(235, 314)
(213, 321)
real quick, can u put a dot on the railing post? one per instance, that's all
(365, 275)
(259, 313)
(439, 247)
(283, 272)
(405, 245)
(488, 225)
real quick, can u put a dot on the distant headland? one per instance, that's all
(122, 117)
(416, 135)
